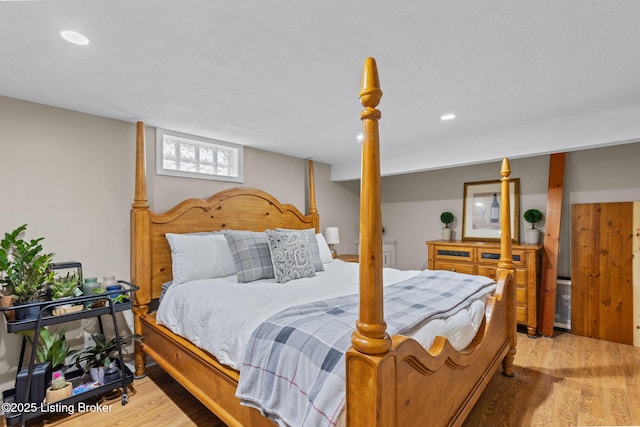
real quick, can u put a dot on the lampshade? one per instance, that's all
(332, 235)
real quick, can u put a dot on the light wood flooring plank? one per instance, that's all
(567, 380)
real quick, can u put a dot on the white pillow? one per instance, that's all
(200, 256)
(325, 252)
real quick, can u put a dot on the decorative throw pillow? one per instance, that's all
(323, 247)
(290, 255)
(310, 235)
(250, 251)
(199, 256)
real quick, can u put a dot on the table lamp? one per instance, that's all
(332, 236)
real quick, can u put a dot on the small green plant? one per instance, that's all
(446, 218)
(23, 267)
(52, 347)
(58, 381)
(116, 300)
(101, 353)
(532, 216)
(64, 287)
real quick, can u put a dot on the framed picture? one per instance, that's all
(481, 210)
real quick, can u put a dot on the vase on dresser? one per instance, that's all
(446, 233)
(532, 235)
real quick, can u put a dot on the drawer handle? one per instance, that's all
(453, 269)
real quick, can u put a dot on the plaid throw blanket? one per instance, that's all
(293, 369)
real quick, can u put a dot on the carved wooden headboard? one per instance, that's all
(236, 208)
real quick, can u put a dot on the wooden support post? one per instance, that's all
(636, 274)
(547, 301)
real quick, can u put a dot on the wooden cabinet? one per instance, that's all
(482, 258)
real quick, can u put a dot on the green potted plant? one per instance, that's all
(60, 388)
(52, 347)
(532, 216)
(446, 218)
(24, 269)
(64, 288)
(52, 350)
(96, 358)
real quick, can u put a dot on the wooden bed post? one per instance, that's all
(370, 336)
(367, 404)
(505, 264)
(313, 210)
(140, 247)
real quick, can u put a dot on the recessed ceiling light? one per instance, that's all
(445, 117)
(74, 37)
(360, 137)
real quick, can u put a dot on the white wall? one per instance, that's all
(412, 203)
(69, 176)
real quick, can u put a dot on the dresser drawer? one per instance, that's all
(493, 255)
(492, 272)
(457, 267)
(521, 314)
(521, 295)
(453, 253)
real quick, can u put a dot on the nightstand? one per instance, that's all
(348, 257)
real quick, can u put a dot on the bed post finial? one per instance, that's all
(506, 260)
(371, 335)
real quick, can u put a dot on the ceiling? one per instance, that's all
(523, 77)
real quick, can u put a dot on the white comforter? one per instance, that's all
(218, 315)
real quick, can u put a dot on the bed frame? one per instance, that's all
(391, 381)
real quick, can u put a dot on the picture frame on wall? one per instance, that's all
(481, 210)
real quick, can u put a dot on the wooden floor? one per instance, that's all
(567, 380)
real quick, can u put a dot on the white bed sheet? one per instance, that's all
(218, 315)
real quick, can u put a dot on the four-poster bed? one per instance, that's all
(390, 381)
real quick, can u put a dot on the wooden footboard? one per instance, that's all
(410, 386)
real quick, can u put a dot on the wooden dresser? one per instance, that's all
(482, 258)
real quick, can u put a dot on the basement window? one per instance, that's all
(190, 156)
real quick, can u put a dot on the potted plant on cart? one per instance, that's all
(446, 218)
(101, 356)
(532, 216)
(52, 350)
(24, 268)
(66, 287)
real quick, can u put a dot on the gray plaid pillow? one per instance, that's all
(290, 255)
(250, 251)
